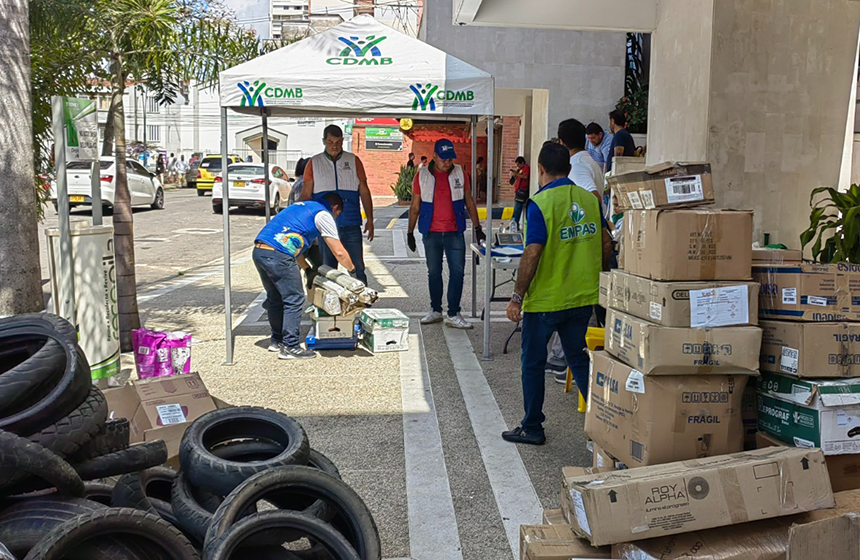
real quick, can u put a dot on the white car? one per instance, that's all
(246, 187)
(144, 188)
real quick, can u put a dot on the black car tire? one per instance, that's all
(351, 515)
(158, 203)
(112, 437)
(67, 435)
(135, 458)
(141, 489)
(100, 492)
(161, 538)
(221, 476)
(201, 192)
(27, 521)
(23, 455)
(27, 362)
(193, 516)
(288, 523)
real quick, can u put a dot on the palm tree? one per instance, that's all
(163, 44)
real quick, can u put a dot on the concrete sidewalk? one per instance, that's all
(417, 433)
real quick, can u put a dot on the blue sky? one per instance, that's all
(252, 13)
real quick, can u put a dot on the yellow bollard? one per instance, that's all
(594, 341)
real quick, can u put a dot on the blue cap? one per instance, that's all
(445, 149)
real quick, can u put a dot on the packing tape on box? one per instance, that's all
(734, 496)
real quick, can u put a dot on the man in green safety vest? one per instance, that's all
(557, 282)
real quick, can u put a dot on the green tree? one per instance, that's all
(161, 43)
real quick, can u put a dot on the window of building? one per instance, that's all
(103, 102)
(152, 105)
(153, 133)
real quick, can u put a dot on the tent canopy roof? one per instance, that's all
(358, 67)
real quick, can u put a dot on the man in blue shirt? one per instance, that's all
(279, 251)
(599, 145)
(622, 141)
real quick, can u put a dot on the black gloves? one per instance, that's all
(353, 274)
(479, 235)
(310, 274)
(410, 241)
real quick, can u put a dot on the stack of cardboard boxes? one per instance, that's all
(809, 392)
(681, 334)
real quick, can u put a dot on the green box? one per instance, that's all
(375, 319)
(811, 413)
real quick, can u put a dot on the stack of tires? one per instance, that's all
(249, 486)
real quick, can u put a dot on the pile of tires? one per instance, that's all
(71, 486)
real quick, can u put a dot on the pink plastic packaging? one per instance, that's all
(161, 354)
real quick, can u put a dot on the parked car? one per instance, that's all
(144, 188)
(246, 187)
(210, 167)
(193, 170)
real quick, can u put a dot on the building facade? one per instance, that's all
(283, 11)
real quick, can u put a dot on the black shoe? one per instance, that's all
(519, 435)
(296, 353)
(561, 377)
(553, 369)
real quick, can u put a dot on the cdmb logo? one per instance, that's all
(254, 94)
(356, 51)
(426, 96)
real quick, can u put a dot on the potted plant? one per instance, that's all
(403, 186)
(834, 225)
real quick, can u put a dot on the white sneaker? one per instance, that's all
(432, 317)
(457, 322)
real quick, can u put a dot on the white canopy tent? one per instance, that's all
(358, 68)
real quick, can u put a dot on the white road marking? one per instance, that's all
(398, 238)
(433, 533)
(163, 288)
(515, 495)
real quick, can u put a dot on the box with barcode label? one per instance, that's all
(809, 291)
(666, 185)
(718, 304)
(688, 245)
(646, 420)
(811, 413)
(811, 350)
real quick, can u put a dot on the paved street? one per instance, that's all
(415, 433)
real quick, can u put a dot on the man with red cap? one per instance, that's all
(441, 200)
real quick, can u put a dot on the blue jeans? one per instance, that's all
(352, 240)
(518, 211)
(571, 325)
(453, 245)
(285, 296)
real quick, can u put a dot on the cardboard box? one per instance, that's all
(656, 350)
(811, 413)
(668, 303)
(665, 185)
(681, 245)
(757, 540)
(767, 255)
(844, 470)
(332, 326)
(605, 289)
(167, 405)
(811, 349)
(647, 420)
(749, 415)
(604, 461)
(383, 319)
(809, 291)
(553, 517)
(384, 330)
(698, 494)
(556, 542)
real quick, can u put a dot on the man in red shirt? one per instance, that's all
(521, 187)
(440, 202)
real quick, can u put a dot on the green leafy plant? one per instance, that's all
(634, 104)
(834, 225)
(403, 186)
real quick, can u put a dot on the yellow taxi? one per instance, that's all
(209, 168)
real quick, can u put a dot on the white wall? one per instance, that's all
(583, 70)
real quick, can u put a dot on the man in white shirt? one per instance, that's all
(584, 171)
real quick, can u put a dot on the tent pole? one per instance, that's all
(225, 189)
(488, 259)
(475, 192)
(266, 194)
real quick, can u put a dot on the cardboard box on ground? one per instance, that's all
(688, 245)
(809, 291)
(384, 330)
(556, 542)
(811, 349)
(656, 350)
(811, 412)
(665, 185)
(161, 407)
(668, 499)
(844, 470)
(756, 540)
(647, 420)
(669, 303)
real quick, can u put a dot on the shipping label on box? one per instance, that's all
(811, 413)
(688, 245)
(686, 496)
(666, 185)
(809, 291)
(668, 303)
(811, 349)
(648, 420)
(556, 542)
(656, 350)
